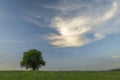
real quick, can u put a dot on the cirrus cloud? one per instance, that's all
(73, 30)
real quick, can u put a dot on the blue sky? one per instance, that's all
(72, 34)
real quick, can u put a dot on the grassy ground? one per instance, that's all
(21, 75)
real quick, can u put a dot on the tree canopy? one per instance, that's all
(32, 59)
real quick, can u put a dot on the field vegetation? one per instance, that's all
(59, 75)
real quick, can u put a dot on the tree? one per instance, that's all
(32, 59)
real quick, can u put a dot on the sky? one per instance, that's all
(71, 34)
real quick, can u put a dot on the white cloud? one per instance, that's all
(116, 57)
(72, 31)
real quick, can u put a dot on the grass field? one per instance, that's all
(70, 75)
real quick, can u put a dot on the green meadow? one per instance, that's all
(59, 75)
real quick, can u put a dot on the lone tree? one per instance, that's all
(32, 59)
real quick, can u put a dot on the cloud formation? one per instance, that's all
(73, 30)
(116, 57)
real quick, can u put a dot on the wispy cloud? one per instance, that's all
(64, 6)
(37, 20)
(74, 20)
(73, 30)
(16, 41)
(116, 57)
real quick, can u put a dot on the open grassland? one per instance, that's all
(60, 75)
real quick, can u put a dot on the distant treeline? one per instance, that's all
(117, 69)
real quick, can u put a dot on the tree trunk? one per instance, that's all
(33, 68)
